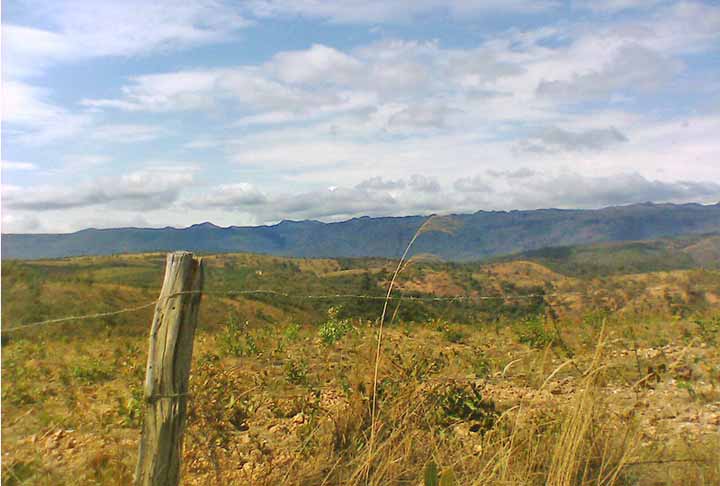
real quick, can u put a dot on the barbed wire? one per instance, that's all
(83, 317)
(410, 298)
(374, 297)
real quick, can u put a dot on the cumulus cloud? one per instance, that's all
(321, 80)
(169, 198)
(142, 190)
(426, 115)
(421, 183)
(521, 173)
(330, 204)
(249, 89)
(633, 67)
(420, 195)
(469, 118)
(556, 139)
(319, 64)
(20, 223)
(84, 30)
(472, 184)
(575, 190)
(379, 184)
(240, 196)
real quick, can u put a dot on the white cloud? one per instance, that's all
(172, 201)
(142, 190)
(21, 223)
(521, 173)
(377, 183)
(186, 90)
(480, 123)
(371, 11)
(31, 119)
(613, 6)
(682, 27)
(229, 196)
(247, 88)
(421, 183)
(555, 139)
(472, 184)
(319, 64)
(14, 165)
(423, 115)
(575, 190)
(84, 161)
(126, 133)
(322, 81)
(632, 68)
(84, 30)
(339, 203)
(28, 51)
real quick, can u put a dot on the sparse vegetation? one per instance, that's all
(607, 384)
(334, 329)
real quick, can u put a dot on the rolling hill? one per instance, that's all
(468, 237)
(679, 253)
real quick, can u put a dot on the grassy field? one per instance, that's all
(611, 379)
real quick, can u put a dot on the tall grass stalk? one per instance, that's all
(425, 227)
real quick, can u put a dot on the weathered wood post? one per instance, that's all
(168, 371)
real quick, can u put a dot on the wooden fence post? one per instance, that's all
(168, 370)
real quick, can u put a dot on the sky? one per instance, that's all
(172, 113)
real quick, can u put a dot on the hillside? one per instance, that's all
(693, 251)
(35, 290)
(285, 375)
(470, 237)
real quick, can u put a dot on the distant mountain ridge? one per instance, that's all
(473, 236)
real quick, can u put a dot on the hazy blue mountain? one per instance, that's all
(474, 236)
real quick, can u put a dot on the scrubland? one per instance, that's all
(590, 380)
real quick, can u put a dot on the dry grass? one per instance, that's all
(509, 402)
(67, 410)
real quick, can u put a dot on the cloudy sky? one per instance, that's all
(249, 112)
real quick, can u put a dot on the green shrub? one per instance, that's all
(233, 336)
(18, 381)
(131, 410)
(296, 372)
(532, 332)
(91, 371)
(595, 318)
(481, 366)
(432, 477)
(252, 346)
(451, 333)
(709, 329)
(419, 366)
(16, 473)
(292, 331)
(334, 328)
(455, 403)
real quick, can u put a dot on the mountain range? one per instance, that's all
(463, 237)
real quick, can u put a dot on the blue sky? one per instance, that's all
(172, 113)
